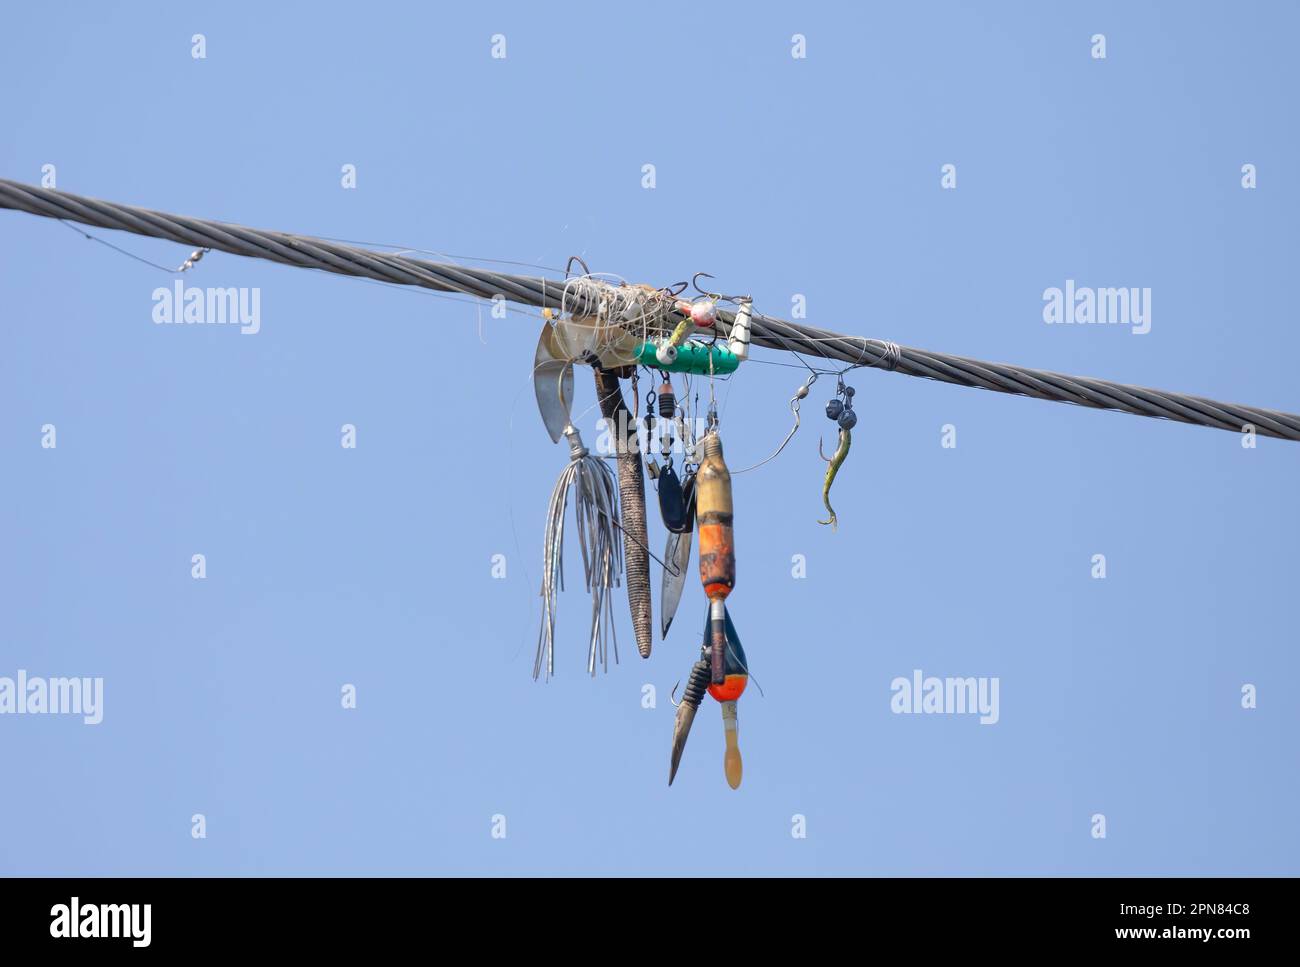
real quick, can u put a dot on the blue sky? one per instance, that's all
(817, 176)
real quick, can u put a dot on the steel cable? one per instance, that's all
(768, 332)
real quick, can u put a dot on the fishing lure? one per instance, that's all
(677, 508)
(592, 338)
(595, 506)
(677, 559)
(738, 341)
(696, 688)
(714, 513)
(702, 314)
(727, 694)
(552, 383)
(672, 507)
(696, 357)
(595, 498)
(674, 354)
(631, 489)
(839, 409)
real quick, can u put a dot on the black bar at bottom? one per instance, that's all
(209, 916)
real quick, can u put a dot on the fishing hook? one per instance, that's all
(839, 409)
(586, 270)
(672, 696)
(799, 394)
(718, 296)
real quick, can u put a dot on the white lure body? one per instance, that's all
(738, 343)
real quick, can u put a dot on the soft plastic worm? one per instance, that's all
(842, 451)
(631, 492)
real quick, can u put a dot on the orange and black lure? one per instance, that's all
(714, 515)
(722, 670)
(727, 694)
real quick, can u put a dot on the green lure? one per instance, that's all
(692, 357)
(842, 451)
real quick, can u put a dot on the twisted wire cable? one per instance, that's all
(766, 331)
(1023, 381)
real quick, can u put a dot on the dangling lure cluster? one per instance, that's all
(615, 329)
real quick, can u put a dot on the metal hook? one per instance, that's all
(800, 394)
(716, 296)
(569, 265)
(696, 285)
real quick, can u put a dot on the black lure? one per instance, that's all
(672, 505)
(677, 501)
